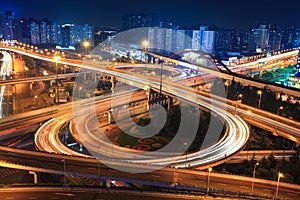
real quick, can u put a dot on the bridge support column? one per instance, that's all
(169, 103)
(14, 97)
(148, 98)
(94, 75)
(35, 178)
(108, 117)
(112, 81)
(31, 85)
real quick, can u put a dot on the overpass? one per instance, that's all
(238, 78)
(92, 168)
(37, 79)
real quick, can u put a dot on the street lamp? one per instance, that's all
(238, 97)
(280, 175)
(278, 110)
(185, 144)
(208, 179)
(64, 162)
(256, 164)
(86, 44)
(226, 84)
(57, 58)
(145, 45)
(259, 92)
(80, 88)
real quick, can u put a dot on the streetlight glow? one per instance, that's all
(208, 179)
(86, 44)
(57, 58)
(280, 175)
(145, 43)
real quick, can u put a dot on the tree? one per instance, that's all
(272, 161)
(69, 89)
(29, 62)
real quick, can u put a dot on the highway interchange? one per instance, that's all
(235, 124)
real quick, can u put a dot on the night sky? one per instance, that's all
(228, 13)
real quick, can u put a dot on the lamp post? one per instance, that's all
(259, 92)
(226, 84)
(237, 99)
(86, 45)
(185, 144)
(57, 58)
(256, 164)
(280, 175)
(145, 45)
(161, 71)
(80, 88)
(278, 110)
(208, 179)
(64, 162)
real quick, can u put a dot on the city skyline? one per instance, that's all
(229, 14)
(149, 99)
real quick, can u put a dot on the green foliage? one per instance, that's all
(268, 168)
(69, 88)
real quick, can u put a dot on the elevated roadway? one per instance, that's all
(86, 167)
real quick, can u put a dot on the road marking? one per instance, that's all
(66, 194)
(246, 187)
(222, 184)
(292, 194)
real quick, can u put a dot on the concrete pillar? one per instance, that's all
(112, 84)
(31, 85)
(169, 103)
(108, 117)
(35, 178)
(148, 93)
(94, 77)
(14, 97)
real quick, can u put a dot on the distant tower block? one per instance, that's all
(298, 65)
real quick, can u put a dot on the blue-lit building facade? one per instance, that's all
(43, 32)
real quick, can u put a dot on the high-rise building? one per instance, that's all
(35, 33)
(131, 21)
(10, 28)
(289, 37)
(73, 34)
(297, 38)
(261, 36)
(224, 38)
(275, 37)
(204, 39)
(298, 66)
